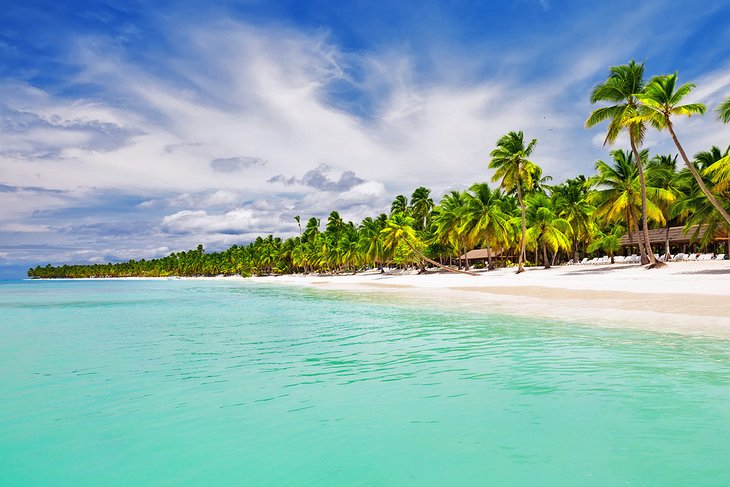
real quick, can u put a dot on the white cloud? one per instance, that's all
(243, 105)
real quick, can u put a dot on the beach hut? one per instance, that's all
(677, 239)
(480, 255)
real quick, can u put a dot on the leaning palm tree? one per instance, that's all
(620, 89)
(723, 111)
(661, 100)
(694, 207)
(517, 173)
(399, 230)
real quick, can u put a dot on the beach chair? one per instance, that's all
(720, 257)
(619, 259)
(691, 257)
(705, 257)
(584, 261)
(680, 256)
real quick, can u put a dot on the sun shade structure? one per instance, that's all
(677, 235)
(479, 254)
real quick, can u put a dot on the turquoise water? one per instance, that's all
(220, 383)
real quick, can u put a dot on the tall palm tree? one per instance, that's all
(661, 100)
(484, 220)
(421, 206)
(620, 91)
(512, 166)
(723, 111)
(298, 219)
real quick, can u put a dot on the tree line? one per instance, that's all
(522, 220)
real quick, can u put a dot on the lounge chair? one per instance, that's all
(691, 257)
(720, 257)
(584, 261)
(680, 256)
(618, 259)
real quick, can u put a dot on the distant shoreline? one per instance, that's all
(682, 297)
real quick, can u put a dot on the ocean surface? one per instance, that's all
(179, 382)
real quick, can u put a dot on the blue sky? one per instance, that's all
(129, 130)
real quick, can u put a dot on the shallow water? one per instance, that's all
(229, 383)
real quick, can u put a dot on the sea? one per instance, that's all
(204, 382)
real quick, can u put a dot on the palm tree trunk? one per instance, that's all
(545, 260)
(639, 239)
(667, 253)
(696, 174)
(524, 229)
(635, 225)
(489, 257)
(649, 257)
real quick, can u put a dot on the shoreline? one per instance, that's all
(682, 297)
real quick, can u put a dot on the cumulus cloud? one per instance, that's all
(319, 178)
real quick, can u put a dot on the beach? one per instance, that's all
(681, 297)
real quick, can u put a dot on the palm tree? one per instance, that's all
(448, 220)
(570, 201)
(298, 219)
(662, 173)
(546, 228)
(621, 89)
(484, 219)
(661, 99)
(618, 197)
(371, 241)
(399, 205)
(517, 172)
(399, 229)
(421, 206)
(694, 206)
(718, 168)
(723, 111)
(608, 242)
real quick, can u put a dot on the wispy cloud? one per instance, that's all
(238, 127)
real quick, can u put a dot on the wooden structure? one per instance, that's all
(678, 237)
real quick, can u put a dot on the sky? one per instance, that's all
(134, 129)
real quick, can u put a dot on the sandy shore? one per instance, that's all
(683, 297)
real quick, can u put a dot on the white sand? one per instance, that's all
(684, 297)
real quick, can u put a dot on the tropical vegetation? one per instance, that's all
(520, 221)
